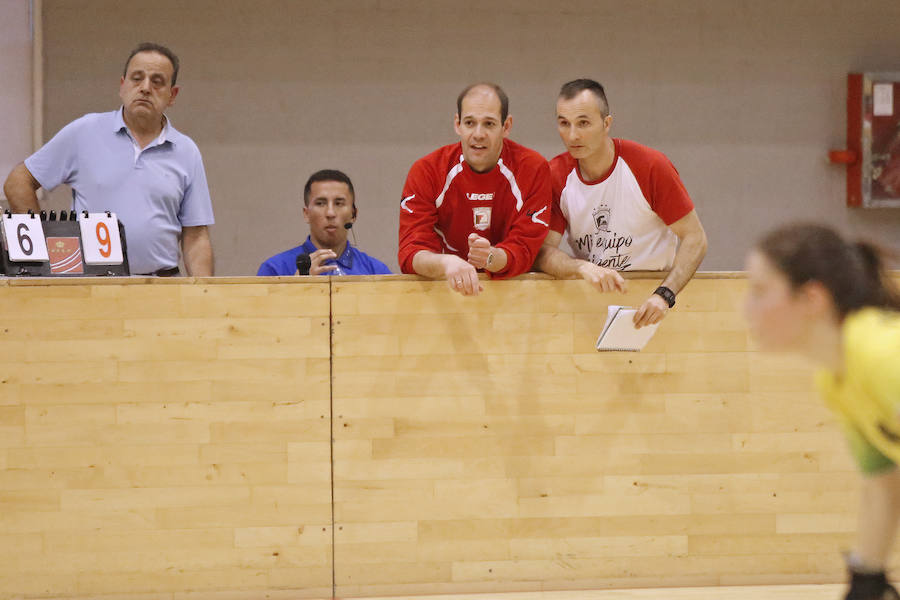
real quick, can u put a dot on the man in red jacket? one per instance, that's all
(482, 203)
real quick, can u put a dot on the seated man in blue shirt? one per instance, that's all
(133, 162)
(330, 210)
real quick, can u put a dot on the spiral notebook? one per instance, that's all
(619, 332)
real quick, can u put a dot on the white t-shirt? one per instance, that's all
(621, 220)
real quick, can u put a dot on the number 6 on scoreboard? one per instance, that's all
(25, 238)
(100, 239)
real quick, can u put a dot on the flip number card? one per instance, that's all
(25, 238)
(100, 239)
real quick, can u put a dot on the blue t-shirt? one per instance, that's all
(155, 191)
(351, 262)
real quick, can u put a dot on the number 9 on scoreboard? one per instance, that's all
(100, 239)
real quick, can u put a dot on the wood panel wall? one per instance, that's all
(170, 441)
(165, 441)
(483, 444)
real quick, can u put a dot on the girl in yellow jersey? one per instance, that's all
(812, 292)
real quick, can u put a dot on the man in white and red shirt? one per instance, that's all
(623, 205)
(482, 203)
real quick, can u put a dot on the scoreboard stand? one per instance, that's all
(89, 245)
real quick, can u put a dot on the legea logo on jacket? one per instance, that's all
(480, 197)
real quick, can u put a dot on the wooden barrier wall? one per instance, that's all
(164, 441)
(484, 444)
(171, 441)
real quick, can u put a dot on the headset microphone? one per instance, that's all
(349, 226)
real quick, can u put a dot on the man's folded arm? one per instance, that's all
(20, 190)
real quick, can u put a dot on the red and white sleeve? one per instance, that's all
(418, 215)
(531, 225)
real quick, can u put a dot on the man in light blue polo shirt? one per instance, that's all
(329, 207)
(133, 162)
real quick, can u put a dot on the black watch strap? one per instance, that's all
(666, 294)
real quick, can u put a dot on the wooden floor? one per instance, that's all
(759, 592)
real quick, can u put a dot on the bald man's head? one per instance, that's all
(483, 86)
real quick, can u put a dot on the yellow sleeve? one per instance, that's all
(866, 396)
(877, 346)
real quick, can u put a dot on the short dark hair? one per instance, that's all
(327, 175)
(504, 99)
(159, 49)
(576, 86)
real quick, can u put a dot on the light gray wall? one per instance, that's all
(15, 86)
(746, 97)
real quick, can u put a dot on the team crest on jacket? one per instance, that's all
(601, 218)
(482, 215)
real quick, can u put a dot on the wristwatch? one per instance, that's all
(490, 258)
(666, 294)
